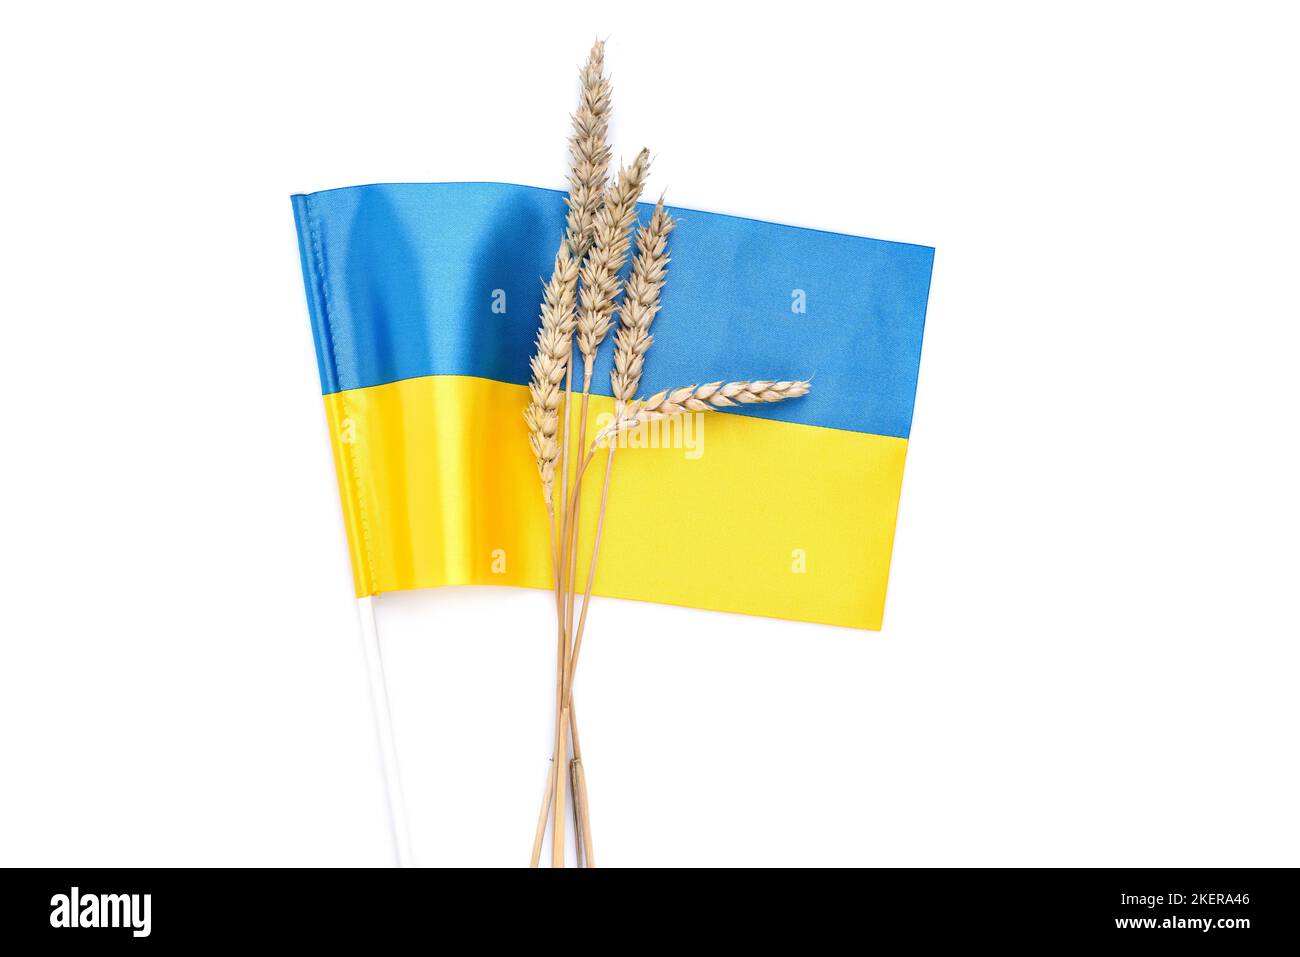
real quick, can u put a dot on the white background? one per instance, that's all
(1089, 654)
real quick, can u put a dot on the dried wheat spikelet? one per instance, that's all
(640, 305)
(608, 254)
(554, 346)
(589, 154)
(702, 398)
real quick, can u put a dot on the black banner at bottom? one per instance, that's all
(141, 908)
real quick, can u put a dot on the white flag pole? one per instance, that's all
(384, 733)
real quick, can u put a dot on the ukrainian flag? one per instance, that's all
(424, 303)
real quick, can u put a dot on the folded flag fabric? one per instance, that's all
(424, 303)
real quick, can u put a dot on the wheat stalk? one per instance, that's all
(552, 364)
(704, 398)
(583, 296)
(638, 310)
(596, 302)
(590, 155)
(599, 290)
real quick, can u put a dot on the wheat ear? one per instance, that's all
(640, 304)
(588, 153)
(549, 364)
(610, 242)
(702, 398)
